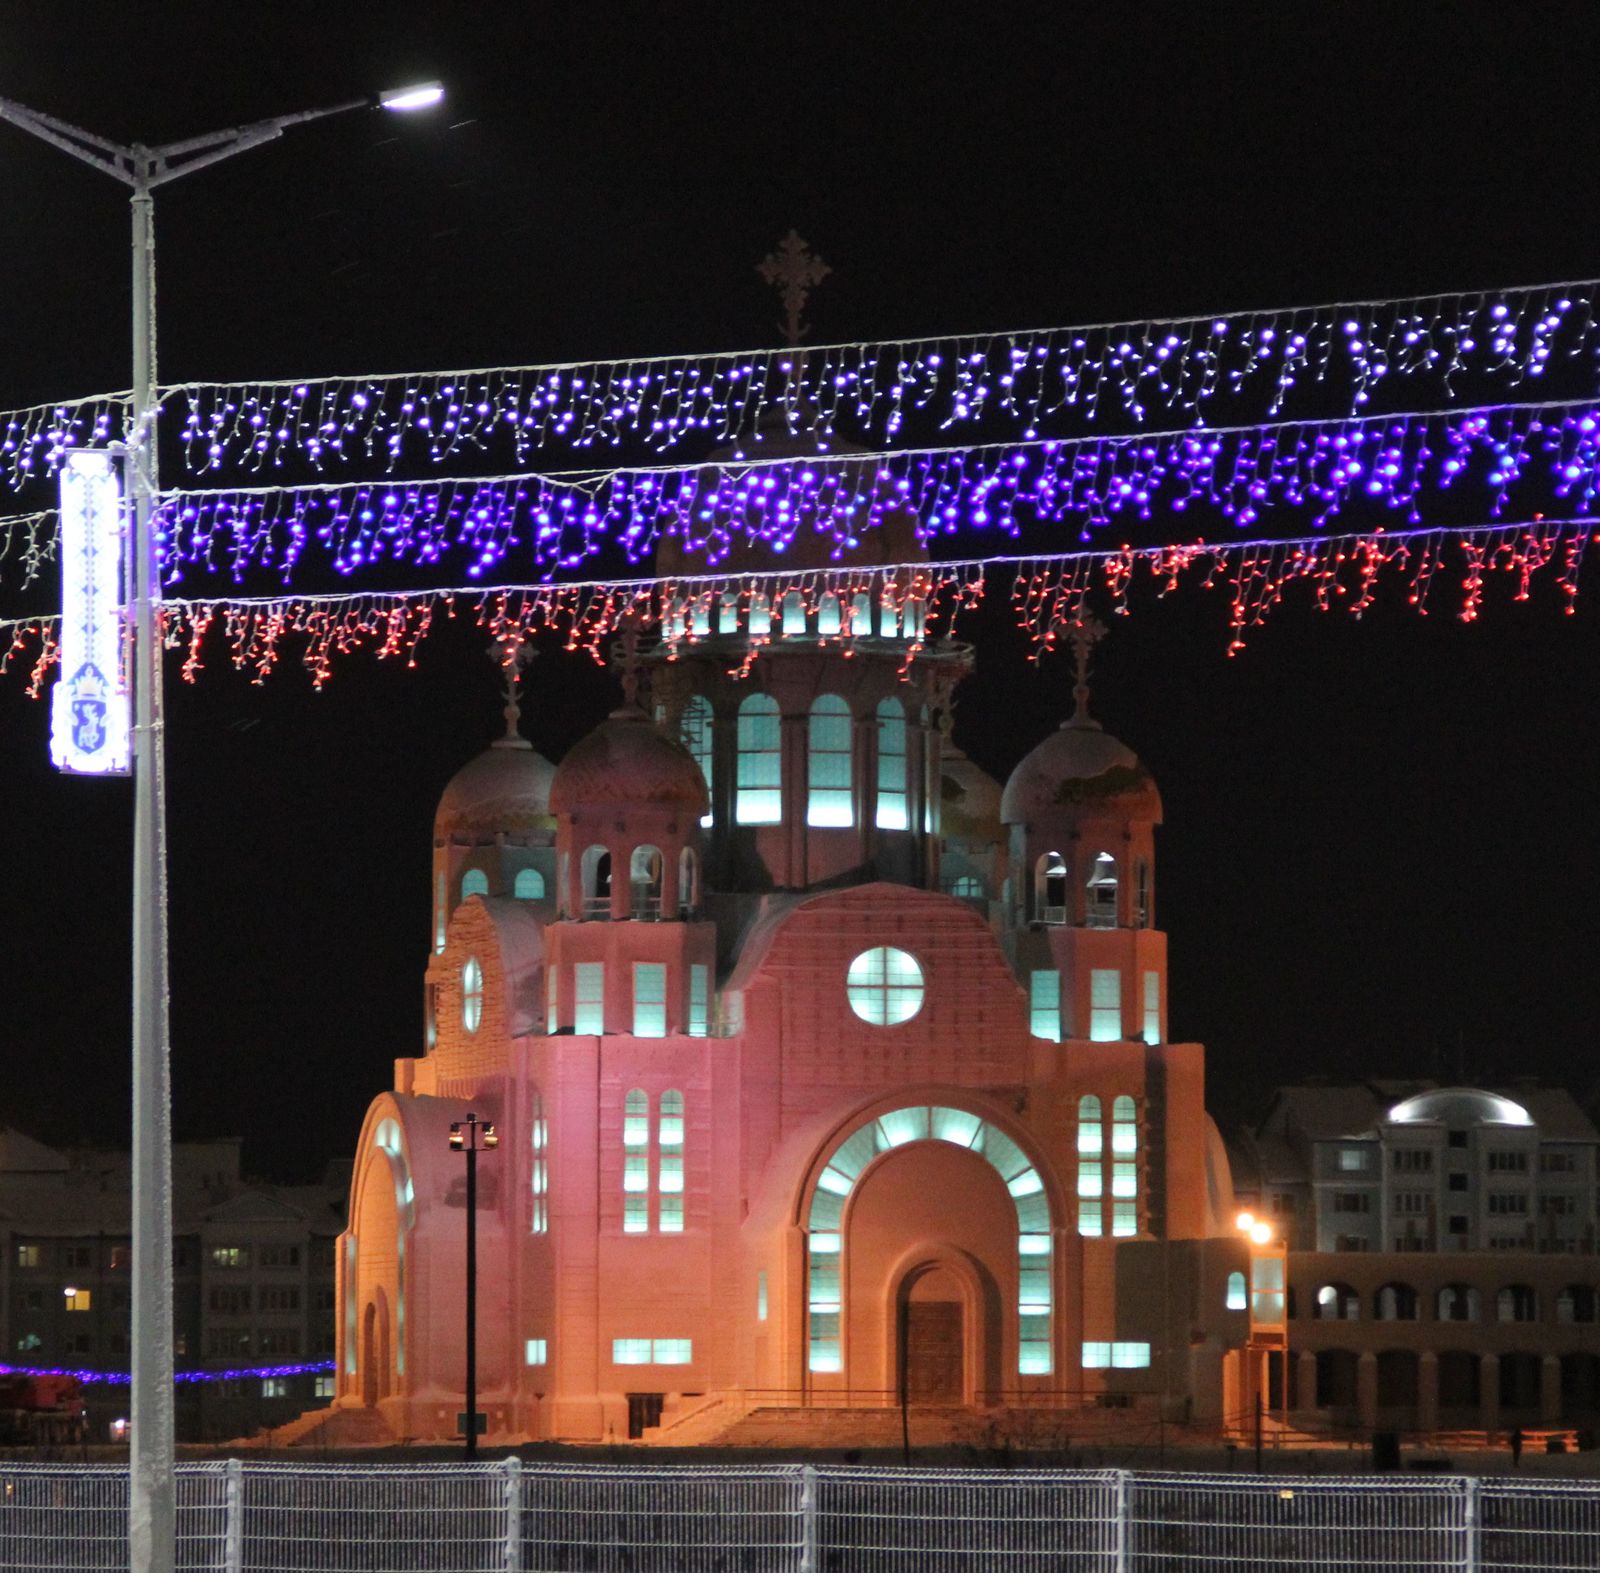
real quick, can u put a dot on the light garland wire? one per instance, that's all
(34, 440)
(28, 541)
(1030, 381)
(122, 1378)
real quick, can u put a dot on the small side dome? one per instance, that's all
(1080, 767)
(505, 790)
(1458, 1107)
(969, 799)
(627, 760)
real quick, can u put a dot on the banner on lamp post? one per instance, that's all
(90, 724)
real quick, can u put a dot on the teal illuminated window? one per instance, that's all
(1123, 1356)
(893, 812)
(474, 883)
(672, 1351)
(1152, 1007)
(794, 613)
(440, 915)
(636, 1163)
(1236, 1297)
(828, 616)
(761, 1295)
(884, 986)
(539, 1167)
(649, 999)
(535, 1351)
(829, 800)
(758, 798)
(758, 620)
(529, 885)
(967, 887)
(695, 730)
(471, 994)
(1105, 1005)
(589, 997)
(1044, 1004)
(1091, 1181)
(1124, 1218)
(551, 1015)
(669, 1162)
(630, 1351)
(699, 999)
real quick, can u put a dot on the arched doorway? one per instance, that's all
(934, 1317)
(377, 1379)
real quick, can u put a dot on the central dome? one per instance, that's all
(627, 760)
(1080, 766)
(506, 789)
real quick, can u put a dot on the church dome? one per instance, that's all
(1458, 1107)
(1079, 766)
(505, 789)
(627, 760)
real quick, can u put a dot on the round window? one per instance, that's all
(471, 994)
(885, 986)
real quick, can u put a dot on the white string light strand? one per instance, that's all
(34, 440)
(1034, 381)
(28, 541)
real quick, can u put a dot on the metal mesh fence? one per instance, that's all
(515, 1518)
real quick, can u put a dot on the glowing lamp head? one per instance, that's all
(68, 1292)
(1261, 1234)
(420, 95)
(1245, 1222)
(491, 1137)
(457, 1140)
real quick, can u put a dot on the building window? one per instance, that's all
(649, 999)
(758, 619)
(1050, 889)
(77, 1256)
(230, 1256)
(1105, 1005)
(966, 887)
(280, 1297)
(1143, 913)
(1456, 1182)
(823, 1298)
(1100, 908)
(279, 1256)
(474, 883)
(1118, 1356)
(893, 812)
(1337, 1303)
(552, 1019)
(699, 999)
(1558, 1163)
(471, 994)
(645, 873)
(652, 1351)
(1411, 1203)
(1236, 1300)
(688, 882)
(828, 619)
(1152, 1007)
(758, 797)
(1352, 1202)
(695, 731)
(1352, 1160)
(529, 885)
(595, 871)
(884, 986)
(669, 1162)
(440, 914)
(1044, 1004)
(326, 1386)
(589, 998)
(539, 1166)
(1411, 1160)
(761, 1295)
(77, 1299)
(28, 1342)
(1508, 1163)
(636, 1163)
(1517, 1303)
(1458, 1223)
(535, 1351)
(1091, 1147)
(1512, 1203)
(27, 1256)
(275, 1387)
(829, 798)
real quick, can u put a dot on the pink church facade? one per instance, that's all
(821, 1068)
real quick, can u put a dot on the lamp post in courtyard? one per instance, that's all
(472, 1136)
(151, 1506)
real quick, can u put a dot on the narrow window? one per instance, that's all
(824, 1302)
(688, 882)
(1105, 1005)
(1124, 1166)
(1044, 1004)
(695, 731)
(596, 870)
(589, 1002)
(828, 616)
(1236, 1300)
(669, 1167)
(649, 999)
(471, 994)
(644, 883)
(1144, 894)
(1091, 1146)
(529, 885)
(1050, 889)
(758, 621)
(794, 613)
(474, 883)
(828, 794)
(1101, 907)
(893, 813)
(1152, 1007)
(761, 1295)
(699, 999)
(759, 797)
(636, 1163)
(440, 915)
(551, 1017)
(728, 613)
(861, 616)
(888, 615)
(539, 1169)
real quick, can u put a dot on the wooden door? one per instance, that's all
(934, 1351)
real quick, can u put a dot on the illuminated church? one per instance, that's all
(822, 1067)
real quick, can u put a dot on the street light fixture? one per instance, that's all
(472, 1136)
(151, 1505)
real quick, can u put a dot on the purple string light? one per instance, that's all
(122, 1378)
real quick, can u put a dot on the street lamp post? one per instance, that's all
(465, 1136)
(151, 1506)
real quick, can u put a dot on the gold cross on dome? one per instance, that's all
(1087, 632)
(794, 272)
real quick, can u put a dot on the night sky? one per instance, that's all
(1381, 848)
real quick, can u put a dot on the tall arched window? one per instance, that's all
(888, 615)
(644, 883)
(695, 731)
(688, 881)
(669, 1162)
(596, 872)
(892, 796)
(700, 616)
(636, 1163)
(539, 1167)
(758, 620)
(529, 885)
(1143, 915)
(474, 883)
(1050, 889)
(828, 733)
(1124, 1166)
(441, 914)
(1091, 1182)
(828, 619)
(861, 616)
(759, 795)
(471, 994)
(1101, 907)
(728, 612)
(1237, 1300)
(794, 613)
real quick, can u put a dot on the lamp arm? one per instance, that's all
(82, 145)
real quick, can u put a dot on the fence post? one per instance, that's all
(511, 1507)
(808, 1519)
(233, 1516)
(1120, 1527)
(1472, 1525)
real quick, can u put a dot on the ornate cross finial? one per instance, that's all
(630, 664)
(1087, 632)
(794, 272)
(513, 657)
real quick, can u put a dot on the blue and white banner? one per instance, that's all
(89, 711)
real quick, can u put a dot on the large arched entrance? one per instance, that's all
(929, 1262)
(382, 1216)
(377, 1367)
